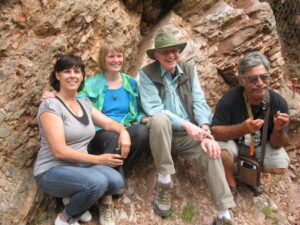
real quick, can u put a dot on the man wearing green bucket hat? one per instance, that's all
(171, 94)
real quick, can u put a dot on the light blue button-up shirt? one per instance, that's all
(171, 105)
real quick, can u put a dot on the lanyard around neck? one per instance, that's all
(249, 110)
(250, 114)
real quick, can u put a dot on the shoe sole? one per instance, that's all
(162, 213)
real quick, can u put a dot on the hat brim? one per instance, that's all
(150, 52)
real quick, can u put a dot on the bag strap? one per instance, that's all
(265, 130)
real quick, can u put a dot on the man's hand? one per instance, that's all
(211, 147)
(251, 126)
(47, 94)
(281, 120)
(197, 133)
(279, 137)
(124, 143)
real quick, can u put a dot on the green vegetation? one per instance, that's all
(188, 213)
(267, 211)
(276, 222)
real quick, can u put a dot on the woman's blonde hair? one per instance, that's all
(104, 49)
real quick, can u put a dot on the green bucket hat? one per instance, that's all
(165, 40)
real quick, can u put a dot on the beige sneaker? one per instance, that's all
(106, 214)
(163, 200)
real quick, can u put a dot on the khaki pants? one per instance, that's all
(274, 158)
(164, 142)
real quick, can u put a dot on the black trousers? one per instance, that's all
(107, 141)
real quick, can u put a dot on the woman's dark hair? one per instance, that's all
(66, 62)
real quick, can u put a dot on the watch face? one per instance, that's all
(207, 131)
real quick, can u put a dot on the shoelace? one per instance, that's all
(165, 195)
(107, 211)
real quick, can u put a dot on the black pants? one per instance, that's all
(107, 141)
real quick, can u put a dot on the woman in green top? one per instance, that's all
(116, 95)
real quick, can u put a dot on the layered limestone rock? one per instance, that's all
(33, 33)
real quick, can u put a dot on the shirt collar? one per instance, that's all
(178, 70)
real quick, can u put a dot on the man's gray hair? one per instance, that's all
(251, 60)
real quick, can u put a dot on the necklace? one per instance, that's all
(73, 106)
(114, 80)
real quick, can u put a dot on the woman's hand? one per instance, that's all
(111, 160)
(47, 94)
(211, 147)
(145, 119)
(124, 143)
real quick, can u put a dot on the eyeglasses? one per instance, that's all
(254, 79)
(167, 52)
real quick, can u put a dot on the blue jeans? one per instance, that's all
(84, 185)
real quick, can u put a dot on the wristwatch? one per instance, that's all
(207, 131)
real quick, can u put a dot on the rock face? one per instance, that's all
(33, 33)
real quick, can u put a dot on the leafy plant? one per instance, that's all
(267, 211)
(188, 213)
